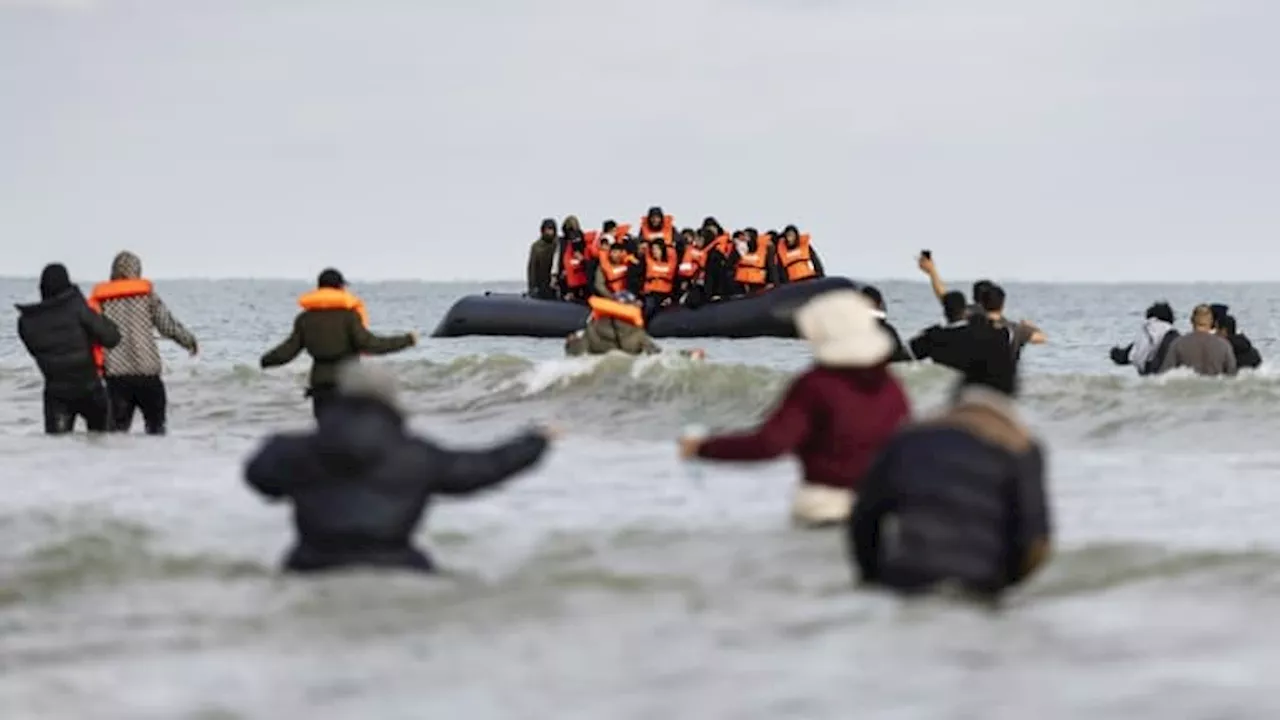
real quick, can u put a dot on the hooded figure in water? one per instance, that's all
(1149, 348)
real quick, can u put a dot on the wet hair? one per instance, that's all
(873, 294)
(1161, 311)
(980, 288)
(993, 299)
(954, 306)
(1227, 325)
(331, 278)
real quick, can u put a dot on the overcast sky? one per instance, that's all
(1022, 139)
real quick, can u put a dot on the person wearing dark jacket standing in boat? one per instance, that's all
(834, 417)
(332, 327)
(958, 502)
(1149, 349)
(951, 343)
(133, 367)
(542, 259)
(361, 482)
(900, 351)
(65, 337)
(1202, 350)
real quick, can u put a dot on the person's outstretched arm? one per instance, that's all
(168, 326)
(101, 330)
(463, 472)
(782, 433)
(274, 469)
(285, 352)
(368, 343)
(1120, 355)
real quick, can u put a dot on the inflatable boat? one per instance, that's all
(768, 314)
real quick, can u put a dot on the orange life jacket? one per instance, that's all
(591, 236)
(575, 266)
(659, 276)
(693, 262)
(666, 234)
(114, 290)
(604, 308)
(797, 262)
(622, 230)
(615, 276)
(752, 267)
(334, 299)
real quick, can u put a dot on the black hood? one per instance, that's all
(354, 433)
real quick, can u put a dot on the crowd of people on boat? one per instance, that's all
(954, 501)
(665, 266)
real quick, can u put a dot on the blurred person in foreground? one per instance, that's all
(958, 502)
(835, 416)
(360, 483)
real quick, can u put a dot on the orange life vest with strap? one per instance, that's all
(659, 276)
(615, 275)
(797, 262)
(622, 231)
(114, 290)
(606, 309)
(667, 234)
(575, 266)
(752, 267)
(591, 236)
(693, 262)
(334, 299)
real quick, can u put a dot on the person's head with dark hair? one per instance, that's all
(980, 289)
(655, 218)
(954, 306)
(705, 237)
(1227, 326)
(993, 299)
(752, 234)
(712, 223)
(1161, 311)
(658, 251)
(687, 235)
(1219, 312)
(991, 366)
(609, 226)
(54, 280)
(873, 294)
(331, 278)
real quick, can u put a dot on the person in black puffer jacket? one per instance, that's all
(61, 332)
(958, 501)
(361, 482)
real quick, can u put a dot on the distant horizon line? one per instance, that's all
(519, 281)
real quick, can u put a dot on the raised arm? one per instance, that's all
(463, 472)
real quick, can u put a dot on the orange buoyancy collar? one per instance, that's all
(116, 289)
(606, 308)
(334, 299)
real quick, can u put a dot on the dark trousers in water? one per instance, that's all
(309, 559)
(60, 412)
(321, 396)
(652, 304)
(132, 393)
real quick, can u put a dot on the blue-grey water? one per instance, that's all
(137, 575)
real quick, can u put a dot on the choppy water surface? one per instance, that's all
(137, 575)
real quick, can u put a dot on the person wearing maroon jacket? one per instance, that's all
(835, 417)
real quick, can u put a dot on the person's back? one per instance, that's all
(133, 368)
(958, 500)
(332, 328)
(65, 338)
(948, 344)
(361, 483)
(1201, 350)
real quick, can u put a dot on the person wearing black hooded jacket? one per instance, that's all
(361, 482)
(61, 332)
(1247, 356)
(958, 501)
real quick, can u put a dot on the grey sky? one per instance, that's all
(1027, 139)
